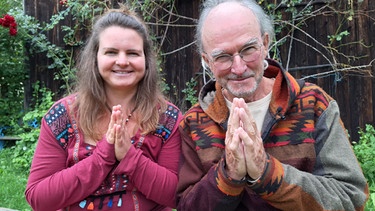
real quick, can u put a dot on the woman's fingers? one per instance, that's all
(115, 120)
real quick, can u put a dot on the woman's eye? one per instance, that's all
(110, 52)
(133, 54)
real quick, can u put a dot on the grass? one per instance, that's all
(12, 183)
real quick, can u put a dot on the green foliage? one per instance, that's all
(365, 152)
(338, 37)
(30, 129)
(12, 75)
(190, 91)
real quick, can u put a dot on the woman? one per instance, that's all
(114, 144)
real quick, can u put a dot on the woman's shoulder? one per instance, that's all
(59, 120)
(171, 114)
(168, 121)
(172, 110)
(59, 109)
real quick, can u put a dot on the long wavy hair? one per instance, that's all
(90, 104)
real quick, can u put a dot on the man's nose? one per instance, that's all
(238, 64)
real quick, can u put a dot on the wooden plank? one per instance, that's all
(370, 23)
(10, 138)
(181, 65)
(5, 140)
(365, 24)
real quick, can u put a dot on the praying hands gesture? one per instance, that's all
(117, 133)
(244, 149)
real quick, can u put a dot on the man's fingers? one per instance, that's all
(255, 155)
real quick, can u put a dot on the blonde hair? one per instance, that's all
(90, 105)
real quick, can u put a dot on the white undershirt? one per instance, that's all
(258, 109)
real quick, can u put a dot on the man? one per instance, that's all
(259, 139)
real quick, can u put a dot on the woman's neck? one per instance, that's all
(124, 98)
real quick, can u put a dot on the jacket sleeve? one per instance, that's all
(336, 183)
(204, 188)
(51, 185)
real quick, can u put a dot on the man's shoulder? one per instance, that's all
(313, 90)
(193, 111)
(194, 116)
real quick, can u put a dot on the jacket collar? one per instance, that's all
(285, 90)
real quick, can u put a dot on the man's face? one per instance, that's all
(235, 49)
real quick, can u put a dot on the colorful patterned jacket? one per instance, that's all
(311, 165)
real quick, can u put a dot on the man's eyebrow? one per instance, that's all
(251, 42)
(216, 53)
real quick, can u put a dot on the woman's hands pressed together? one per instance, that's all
(118, 134)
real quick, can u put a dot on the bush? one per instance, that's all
(30, 129)
(13, 73)
(365, 152)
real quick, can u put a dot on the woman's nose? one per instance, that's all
(122, 60)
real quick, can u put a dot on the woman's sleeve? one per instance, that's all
(51, 185)
(161, 174)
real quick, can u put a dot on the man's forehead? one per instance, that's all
(229, 22)
(228, 17)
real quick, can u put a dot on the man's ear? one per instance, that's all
(205, 60)
(266, 42)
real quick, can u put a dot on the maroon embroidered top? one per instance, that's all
(68, 174)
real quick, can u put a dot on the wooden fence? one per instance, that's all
(304, 52)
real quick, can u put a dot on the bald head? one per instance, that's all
(227, 20)
(224, 14)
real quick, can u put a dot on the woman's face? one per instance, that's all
(121, 59)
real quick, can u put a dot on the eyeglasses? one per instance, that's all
(248, 54)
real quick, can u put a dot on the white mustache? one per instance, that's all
(239, 77)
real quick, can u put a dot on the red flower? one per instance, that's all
(63, 2)
(9, 18)
(13, 25)
(8, 21)
(13, 31)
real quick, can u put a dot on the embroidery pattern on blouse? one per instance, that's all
(167, 122)
(76, 132)
(58, 120)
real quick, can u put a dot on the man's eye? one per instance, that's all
(222, 58)
(248, 50)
